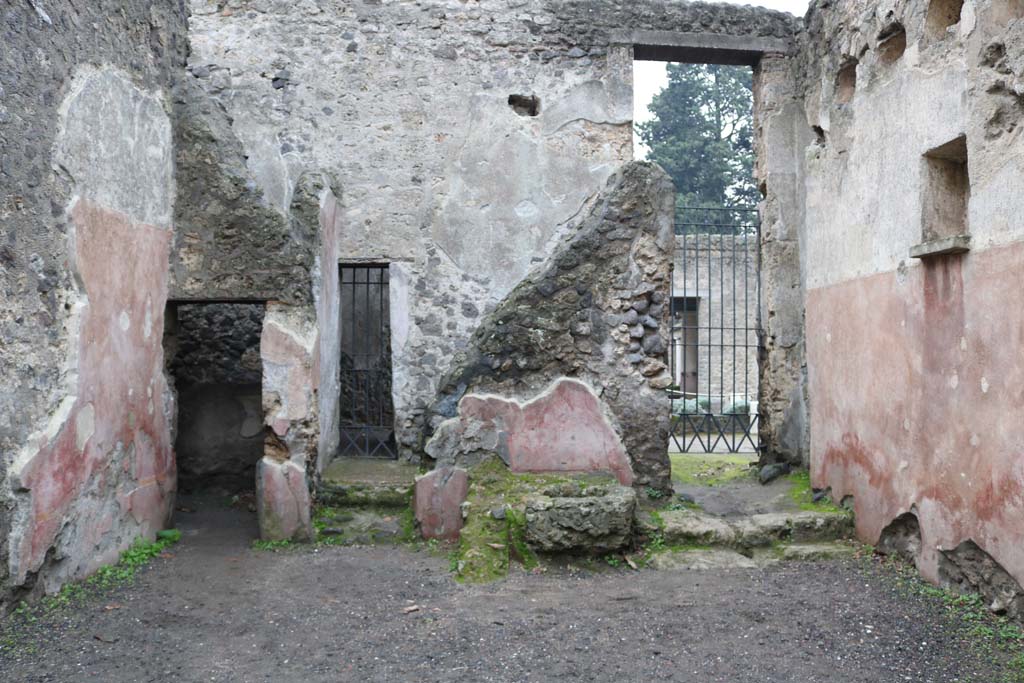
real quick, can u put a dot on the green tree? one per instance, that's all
(702, 134)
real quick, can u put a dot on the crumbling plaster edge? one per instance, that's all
(521, 404)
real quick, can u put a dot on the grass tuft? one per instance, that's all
(710, 469)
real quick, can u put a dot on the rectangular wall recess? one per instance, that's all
(945, 193)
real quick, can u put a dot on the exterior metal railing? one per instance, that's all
(715, 332)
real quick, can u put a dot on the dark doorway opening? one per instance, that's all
(213, 358)
(367, 420)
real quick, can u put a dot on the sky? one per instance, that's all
(650, 77)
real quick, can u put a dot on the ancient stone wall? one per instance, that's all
(216, 344)
(914, 364)
(781, 134)
(417, 110)
(568, 372)
(86, 195)
(230, 241)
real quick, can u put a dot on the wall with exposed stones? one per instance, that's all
(86, 202)
(915, 364)
(568, 372)
(407, 106)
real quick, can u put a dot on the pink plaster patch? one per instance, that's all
(280, 348)
(911, 379)
(562, 430)
(438, 502)
(283, 503)
(123, 267)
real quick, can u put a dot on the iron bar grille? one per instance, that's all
(715, 338)
(367, 420)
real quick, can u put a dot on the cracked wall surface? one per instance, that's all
(408, 107)
(915, 365)
(76, 195)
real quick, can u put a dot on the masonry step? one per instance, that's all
(727, 558)
(696, 528)
(362, 526)
(367, 483)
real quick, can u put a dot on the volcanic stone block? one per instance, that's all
(597, 520)
(698, 528)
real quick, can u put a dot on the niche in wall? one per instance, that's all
(945, 193)
(846, 81)
(942, 14)
(892, 43)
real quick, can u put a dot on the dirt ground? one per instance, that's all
(218, 610)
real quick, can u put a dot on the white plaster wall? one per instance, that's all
(864, 185)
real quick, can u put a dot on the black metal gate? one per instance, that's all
(713, 352)
(367, 422)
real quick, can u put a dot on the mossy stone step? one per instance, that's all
(367, 482)
(727, 558)
(808, 552)
(692, 527)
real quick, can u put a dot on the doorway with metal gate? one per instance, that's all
(715, 336)
(367, 414)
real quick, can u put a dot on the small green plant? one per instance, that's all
(613, 561)
(653, 493)
(1014, 670)
(19, 631)
(133, 559)
(271, 546)
(655, 545)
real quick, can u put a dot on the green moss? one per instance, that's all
(517, 539)
(488, 546)
(710, 469)
(271, 546)
(407, 526)
(365, 524)
(657, 519)
(801, 493)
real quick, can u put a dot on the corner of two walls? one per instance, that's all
(781, 135)
(233, 241)
(300, 350)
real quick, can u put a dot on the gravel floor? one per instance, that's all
(218, 611)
